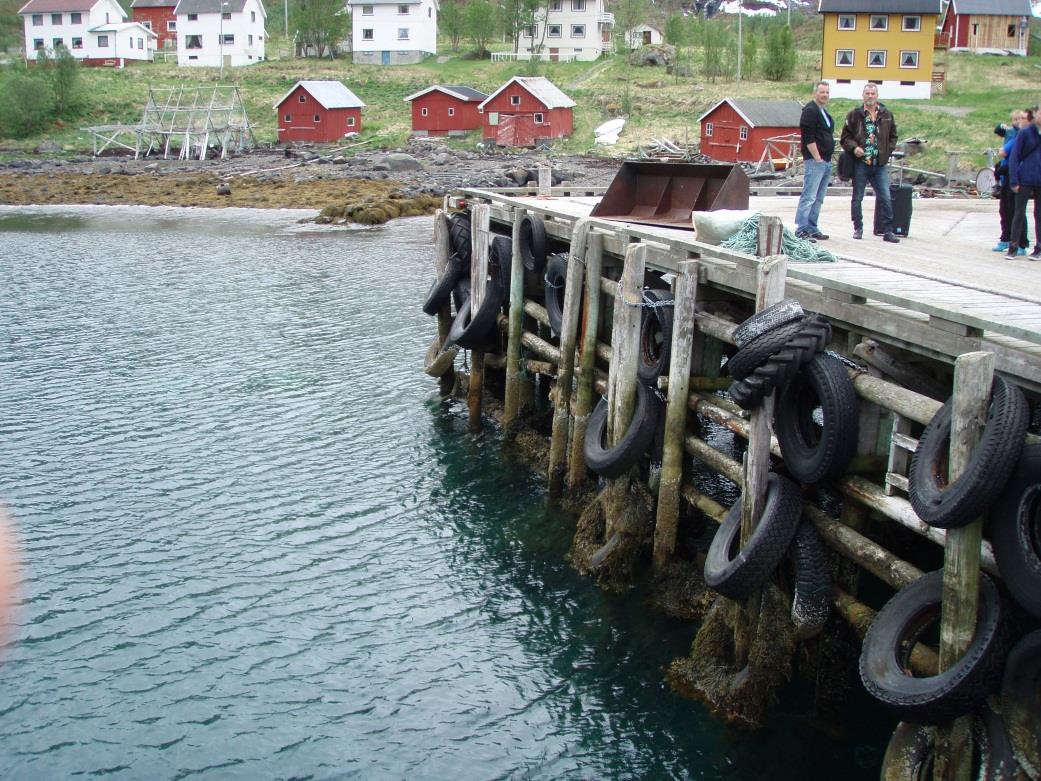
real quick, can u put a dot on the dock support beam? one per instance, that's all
(480, 238)
(683, 327)
(444, 317)
(514, 370)
(587, 360)
(973, 376)
(566, 368)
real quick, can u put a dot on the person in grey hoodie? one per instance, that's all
(1024, 172)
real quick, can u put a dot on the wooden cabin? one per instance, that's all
(445, 110)
(320, 111)
(525, 109)
(736, 130)
(987, 26)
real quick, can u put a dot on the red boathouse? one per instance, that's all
(735, 130)
(318, 111)
(445, 110)
(524, 109)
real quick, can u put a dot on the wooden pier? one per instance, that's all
(909, 337)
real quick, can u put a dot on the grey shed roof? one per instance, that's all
(468, 94)
(763, 113)
(152, 3)
(330, 94)
(992, 7)
(213, 6)
(879, 6)
(542, 88)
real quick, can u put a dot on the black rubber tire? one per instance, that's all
(461, 291)
(475, 332)
(910, 753)
(758, 351)
(655, 337)
(767, 320)
(556, 275)
(952, 505)
(736, 574)
(813, 336)
(814, 453)
(500, 260)
(459, 236)
(885, 654)
(441, 290)
(532, 240)
(1015, 531)
(616, 461)
(997, 757)
(811, 603)
(1021, 702)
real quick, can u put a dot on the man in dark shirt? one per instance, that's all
(869, 133)
(818, 142)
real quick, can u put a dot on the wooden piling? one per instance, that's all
(514, 370)
(565, 371)
(973, 376)
(683, 327)
(587, 361)
(442, 251)
(480, 237)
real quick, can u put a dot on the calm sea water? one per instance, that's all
(257, 545)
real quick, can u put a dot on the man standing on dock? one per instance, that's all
(818, 142)
(870, 134)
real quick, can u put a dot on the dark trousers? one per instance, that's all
(878, 176)
(1019, 221)
(1006, 211)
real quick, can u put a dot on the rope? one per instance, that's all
(798, 250)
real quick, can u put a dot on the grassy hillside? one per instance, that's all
(981, 90)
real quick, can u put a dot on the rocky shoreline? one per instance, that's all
(367, 186)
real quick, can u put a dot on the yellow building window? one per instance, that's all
(879, 23)
(876, 58)
(908, 59)
(847, 21)
(844, 58)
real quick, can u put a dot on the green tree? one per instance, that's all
(718, 47)
(27, 101)
(629, 14)
(481, 23)
(779, 63)
(749, 55)
(452, 22)
(320, 25)
(677, 30)
(61, 72)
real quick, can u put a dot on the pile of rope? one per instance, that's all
(798, 250)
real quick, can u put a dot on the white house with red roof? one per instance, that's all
(212, 31)
(96, 32)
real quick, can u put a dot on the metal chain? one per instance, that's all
(644, 303)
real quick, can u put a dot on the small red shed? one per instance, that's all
(318, 111)
(533, 99)
(735, 130)
(445, 109)
(158, 16)
(986, 26)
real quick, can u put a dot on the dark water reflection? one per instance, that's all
(257, 546)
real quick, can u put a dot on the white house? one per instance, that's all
(393, 32)
(644, 35)
(212, 32)
(93, 31)
(579, 29)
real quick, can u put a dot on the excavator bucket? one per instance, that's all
(665, 193)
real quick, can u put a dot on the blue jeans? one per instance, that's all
(878, 175)
(814, 186)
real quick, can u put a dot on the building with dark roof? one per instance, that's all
(157, 16)
(736, 130)
(987, 26)
(445, 110)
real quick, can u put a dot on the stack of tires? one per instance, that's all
(1003, 477)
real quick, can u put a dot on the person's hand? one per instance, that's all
(1001, 153)
(1015, 188)
(858, 152)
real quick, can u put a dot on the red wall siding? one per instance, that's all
(332, 125)
(158, 18)
(958, 26)
(726, 144)
(557, 122)
(437, 122)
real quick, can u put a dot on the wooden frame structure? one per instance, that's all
(190, 120)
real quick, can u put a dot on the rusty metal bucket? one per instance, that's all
(665, 193)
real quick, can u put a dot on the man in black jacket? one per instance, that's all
(818, 142)
(870, 134)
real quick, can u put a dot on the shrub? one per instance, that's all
(27, 102)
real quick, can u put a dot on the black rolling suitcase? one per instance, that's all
(901, 197)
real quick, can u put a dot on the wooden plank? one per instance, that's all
(480, 238)
(587, 360)
(514, 370)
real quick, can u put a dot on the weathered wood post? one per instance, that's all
(566, 368)
(973, 376)
(683, 327)
(480, 237)
(545, 180)
(621, 384)
(514, 370)
(587, 361)
(769, 290)
(442, 250)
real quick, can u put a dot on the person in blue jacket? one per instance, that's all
(1007, 198)
(1024, 171)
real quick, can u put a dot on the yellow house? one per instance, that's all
(885, 42)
